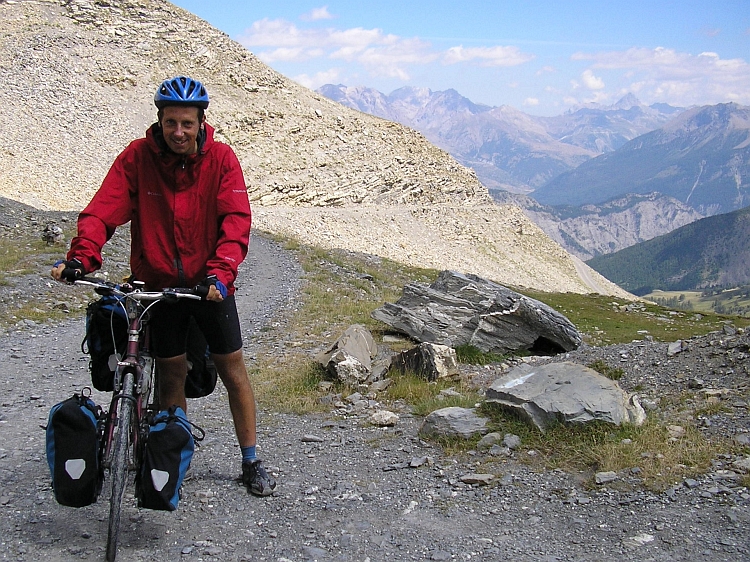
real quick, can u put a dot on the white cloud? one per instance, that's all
(662, 74)
(531, 102)
(487, 56)
(317, 14)
(545, 70)
(318, 79)
(591, 81)
(379, 53)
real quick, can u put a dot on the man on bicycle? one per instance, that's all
(186, 200)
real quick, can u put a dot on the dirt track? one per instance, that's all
(348, 491)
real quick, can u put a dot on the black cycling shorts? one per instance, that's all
(217, 320)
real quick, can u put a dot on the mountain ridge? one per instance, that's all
(701, 158)
(508, 148)
(711, 252)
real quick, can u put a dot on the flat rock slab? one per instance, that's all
(564, 392)
(468, 310)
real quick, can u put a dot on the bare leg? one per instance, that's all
(231, 369)
(172, 373)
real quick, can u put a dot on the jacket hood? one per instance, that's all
(156, 139)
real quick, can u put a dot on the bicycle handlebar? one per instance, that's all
(108, 288)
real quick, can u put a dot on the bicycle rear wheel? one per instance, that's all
(118, 471)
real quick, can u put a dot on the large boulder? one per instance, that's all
(564, 392)
(465, 309)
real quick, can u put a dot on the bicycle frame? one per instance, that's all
(138, 360)
(134, 382)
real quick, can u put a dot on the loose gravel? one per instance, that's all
(350, 491)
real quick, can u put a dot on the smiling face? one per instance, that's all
(180, 126)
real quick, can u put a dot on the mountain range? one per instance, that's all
(508, 149)
(601, 178)
(594, 230)
(701, 158)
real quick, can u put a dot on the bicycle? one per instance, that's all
(135, 394)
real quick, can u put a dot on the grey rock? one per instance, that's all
(564, 392)
(477, 479)
(489, 440)
(605, 477)
(511, 441)
(468, 310)
(675, 348)
(453, 422)
(429, 360)
(349, 359)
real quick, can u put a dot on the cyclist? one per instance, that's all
(186, 199)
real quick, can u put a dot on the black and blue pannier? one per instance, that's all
(167, 452)
(74, 431)
(106, 339)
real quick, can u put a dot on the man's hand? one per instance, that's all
(217, 291)
(67, 270)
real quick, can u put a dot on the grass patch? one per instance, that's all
(603, 320)
(601, 367)
(22, 257)
(425, 397)
(471, 355)
(291, 386)
(594, 447)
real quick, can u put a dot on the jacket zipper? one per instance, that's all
(180, 271)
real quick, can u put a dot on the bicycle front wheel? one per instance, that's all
(118, 470)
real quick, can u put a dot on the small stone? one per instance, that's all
(511, 441)
(478, 479)
(676, 431)
(384, 418)
(605, 477)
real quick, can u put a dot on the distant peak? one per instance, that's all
(626, 102)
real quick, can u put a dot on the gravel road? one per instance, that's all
(349, 491)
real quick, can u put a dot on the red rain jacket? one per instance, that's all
(190, 215)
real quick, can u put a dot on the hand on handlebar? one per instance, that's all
(211, 289)
(67, 270)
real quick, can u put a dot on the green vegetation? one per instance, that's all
(472, 356)
(711, 252)
(20, 258)
(598, 447)
(601, 367)
(603, 320)
(735, 302)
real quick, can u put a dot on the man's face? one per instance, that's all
(180, 126)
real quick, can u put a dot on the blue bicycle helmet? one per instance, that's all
(181, 90)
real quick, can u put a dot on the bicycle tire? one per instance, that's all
(118, 471)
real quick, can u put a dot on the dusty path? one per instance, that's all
(348, 491)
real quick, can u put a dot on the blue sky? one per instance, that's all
(542, 57)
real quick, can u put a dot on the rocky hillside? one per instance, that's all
(594, 230)
(710, 253)
(76, 82)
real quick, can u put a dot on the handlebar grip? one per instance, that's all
(201, 291)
